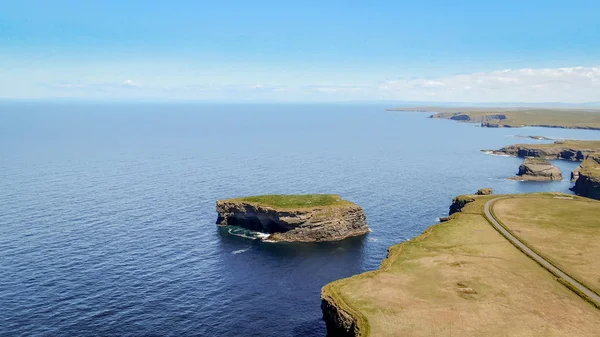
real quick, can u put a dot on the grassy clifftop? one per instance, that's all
(518, 117)
(571, 144)
(587, 177)
(565, 231)
(575, 150)
(591, 166)
(293, 200)
(462, 278)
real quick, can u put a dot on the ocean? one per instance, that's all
(107, 210)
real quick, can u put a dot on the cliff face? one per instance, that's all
(587, 177)
(566, 150)
(494, 125)
(339, 322)
(315, 224)
(538, 169)
(458, 203)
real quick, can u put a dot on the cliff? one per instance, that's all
(295, 218)
(340, 320)
(517, 117)
(458, 203)
(587, 177)
(537, 169)
(574, 150)
(442, 282)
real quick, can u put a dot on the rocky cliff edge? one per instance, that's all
(337, 221)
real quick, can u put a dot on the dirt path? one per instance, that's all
(582, 289)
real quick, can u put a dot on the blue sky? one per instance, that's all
(301, 50)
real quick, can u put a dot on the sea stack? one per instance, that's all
(295, 218)
(537, 169)
(587, 177)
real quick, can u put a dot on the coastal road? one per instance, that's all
(535, 256)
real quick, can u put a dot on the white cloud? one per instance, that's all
(102, 86)
(577, 84)
(131, 84)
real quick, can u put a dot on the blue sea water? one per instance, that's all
(107, 211)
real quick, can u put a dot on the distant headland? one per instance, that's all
(516, 117)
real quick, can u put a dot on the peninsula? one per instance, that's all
(464, 277)
(517, 117)
(295, 218)
(573, 150)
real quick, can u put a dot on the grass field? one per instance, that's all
(462, 278)
(517, 117)
(566, 232)
(294, 200)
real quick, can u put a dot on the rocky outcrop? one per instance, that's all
(459, 202)
(587, 177)
(575, 173)
(484, 191)
(566, 150)
(494, 121)
(461, 117)
(304, 224)
(493, 125)
(537, 169)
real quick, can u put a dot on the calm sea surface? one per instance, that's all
(107, 211)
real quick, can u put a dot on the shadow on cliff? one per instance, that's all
(349, 246)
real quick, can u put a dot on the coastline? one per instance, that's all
(517, 117)
(344, 320)
(348, 307)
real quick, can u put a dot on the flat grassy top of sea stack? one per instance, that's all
(294, 200)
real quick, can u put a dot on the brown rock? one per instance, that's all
(484, 191)
(537, 169)
(305, 224)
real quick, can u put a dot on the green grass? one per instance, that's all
(564, 231)
(295, 200)
(462, 278)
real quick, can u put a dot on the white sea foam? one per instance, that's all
(239, 251)
(246, 233)
(491, 153)
(262, 235)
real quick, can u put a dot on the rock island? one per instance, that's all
(295, 218)
(537, 169)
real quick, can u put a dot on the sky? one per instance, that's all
(327, 50)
